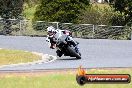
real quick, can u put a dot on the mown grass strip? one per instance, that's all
(16, 56)
(57, 80)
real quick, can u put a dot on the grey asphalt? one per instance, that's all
(96, 53)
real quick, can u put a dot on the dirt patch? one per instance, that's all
(36, 73)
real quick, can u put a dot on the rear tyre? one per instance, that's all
(74, 53)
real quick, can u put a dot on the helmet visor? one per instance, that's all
(50, 33)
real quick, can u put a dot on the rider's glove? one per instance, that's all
(52, 46)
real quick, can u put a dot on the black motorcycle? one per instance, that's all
(67, 47)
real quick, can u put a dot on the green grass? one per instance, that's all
(58, 80)
(16, 56)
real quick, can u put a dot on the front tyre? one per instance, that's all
(74, 53)
(59, 53)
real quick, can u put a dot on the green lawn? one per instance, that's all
(57, 80)
(16, 56)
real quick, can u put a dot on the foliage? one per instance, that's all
(125, 9)
(97, 15)
(11, 8)
(117, 19)
(60, 10)
(28, 12)
(31, 3)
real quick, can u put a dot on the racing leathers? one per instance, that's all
(58, 34)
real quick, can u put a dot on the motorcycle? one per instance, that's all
(65, 46)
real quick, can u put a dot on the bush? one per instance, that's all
(60, 10)
(124, 7)
(117, 19)
(96, 15)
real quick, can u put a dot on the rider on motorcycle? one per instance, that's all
(54, 34)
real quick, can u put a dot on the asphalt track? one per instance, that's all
(96, 53)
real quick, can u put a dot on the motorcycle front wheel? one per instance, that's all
(74, 53)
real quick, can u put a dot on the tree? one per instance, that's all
(10, 8)
(125, 9)
(60, 10)
(31, 3)
(96, 15)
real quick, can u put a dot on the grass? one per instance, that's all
(57, 80)
(16, 56)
